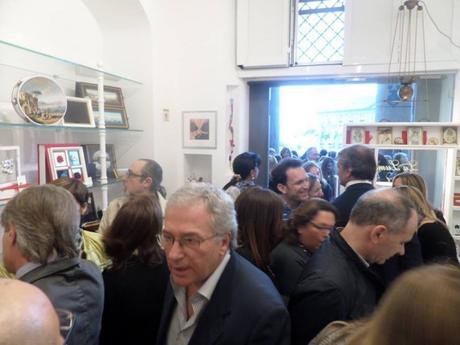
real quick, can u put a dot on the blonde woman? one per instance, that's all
(417, 181)
(436, 242)
(421, 308)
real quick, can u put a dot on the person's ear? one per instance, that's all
(11, 234)
(225, 243)
(148, 181)
(282, 188)
(83, 208)
(378, 232)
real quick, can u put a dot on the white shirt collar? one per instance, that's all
(352, 182)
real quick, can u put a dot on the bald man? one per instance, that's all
(27, 317)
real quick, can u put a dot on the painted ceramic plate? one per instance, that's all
(40, 100)
(449, 136)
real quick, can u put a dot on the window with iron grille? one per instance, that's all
(320, 31)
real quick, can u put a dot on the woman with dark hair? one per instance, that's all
(136, 281)
(258, 212)
(306, 229)
(91, 247)
(246, 169)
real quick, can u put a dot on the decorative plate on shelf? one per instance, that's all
(449, 135)
(399, 141)
(433, 141)
(40, 100)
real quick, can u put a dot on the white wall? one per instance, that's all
(194, 62)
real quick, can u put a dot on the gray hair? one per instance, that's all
(218, 203)
(47, 221)
(383, 207)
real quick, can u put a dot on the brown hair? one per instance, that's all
(414, 180)
(134, 231)
(258, 212)
(304, 214)
(421, 308)
(74, 186)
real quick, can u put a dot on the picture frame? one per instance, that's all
(199, 129)
(384, 136)
(415, 136)
(63, 160)
(449, 135)
(79, 113)
(113, 117)
(10, 166)
(92, 154)
(113, 96)
(357, 135)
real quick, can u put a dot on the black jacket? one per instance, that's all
(336, 285)
(133, 303)
(345, 201)
(245, 309)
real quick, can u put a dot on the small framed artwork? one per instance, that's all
(93, 165)
(384, 136)
(199, 129)
(415, 136)
(113, 96)
(59, 158)
(449, 136)
(357, 135)
(79, 113)
(65, 161)
(113, 117)
(10, 169)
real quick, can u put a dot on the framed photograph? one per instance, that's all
(449, 135)
(415, 136)
(92, 158)
(357, 135)
(384, 136)
(199, 129)
(114, 117)
(63, 160)
(10, 169)
(113, 96)
(79, 113)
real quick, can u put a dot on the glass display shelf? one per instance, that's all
(9, 125)
(38, 62)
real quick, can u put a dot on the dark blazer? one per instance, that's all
(133, 303)
(288, 262)
(437, 244)
(245, 308)
(345, 201)
(75, 285)
(336, 285)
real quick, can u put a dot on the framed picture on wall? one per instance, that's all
(79, 113)
(113, 96)
(199, 129)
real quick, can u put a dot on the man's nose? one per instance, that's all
(175, 252)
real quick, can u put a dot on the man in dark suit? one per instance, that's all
(356, 169)
(215, 296)
(337, 283)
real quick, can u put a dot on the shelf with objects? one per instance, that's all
(63, 119)
(424, 148)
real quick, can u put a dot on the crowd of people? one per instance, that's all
(294, 263)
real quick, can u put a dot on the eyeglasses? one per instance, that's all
(66, 323)
(189, 241)
(322, 227)
(130, 173)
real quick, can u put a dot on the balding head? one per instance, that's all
(27, 317)
(380, 224)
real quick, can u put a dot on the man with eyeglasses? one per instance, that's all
(290, 180)
(215, 296)
(337, 283)
(143, 176)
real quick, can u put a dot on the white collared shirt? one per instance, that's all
(30, 266)
(352, 182)
(180, 329)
